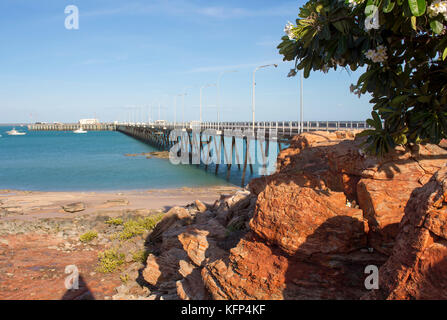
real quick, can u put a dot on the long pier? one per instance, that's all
(201, 137)
(286, 128)
(71, 127)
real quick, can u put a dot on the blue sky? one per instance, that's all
(133, 54)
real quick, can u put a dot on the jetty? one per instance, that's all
(205, 135)
(71, 127)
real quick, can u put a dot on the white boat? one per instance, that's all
(80, 130)
(14, 132)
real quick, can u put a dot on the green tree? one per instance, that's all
(402, 44)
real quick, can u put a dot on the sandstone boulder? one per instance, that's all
(416, 268)
(288, 215)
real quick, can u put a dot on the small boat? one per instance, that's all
(80, 130)
(14, 132)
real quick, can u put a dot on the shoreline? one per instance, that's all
(39, 239)
(212, 186)
(26, 205)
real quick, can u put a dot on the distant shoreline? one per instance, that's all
(112, 191)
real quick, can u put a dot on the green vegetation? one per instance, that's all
(140, 256)
(402, 44)
(137, 227)
(124, 278)
(115, 221)
(110, 260)
(88, 236)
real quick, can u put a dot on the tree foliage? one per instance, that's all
(402, 44)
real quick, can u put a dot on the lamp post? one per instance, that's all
(218, 95)
(201, 88)
(165, 103)
(254, 92)
(301, 101)
(183, 106)
(175, 108)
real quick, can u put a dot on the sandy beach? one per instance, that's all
(39, 238)
(26, 205)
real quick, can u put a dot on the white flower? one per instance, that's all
(288, 29)
(370, 54)
(437, 7)
(378, 55)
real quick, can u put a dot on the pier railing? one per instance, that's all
(285, 128)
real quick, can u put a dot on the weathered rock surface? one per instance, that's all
(291, 217)
(177, 216)
(309, 230)
(187, 240)
(381, 187)
(416, 268)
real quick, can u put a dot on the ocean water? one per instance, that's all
(64, 161)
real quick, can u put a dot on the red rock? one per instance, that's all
(305, 241)
(255, 270)
(383, 203)
(416, 268)
(443, 143)
(289, 216)
(308, 237)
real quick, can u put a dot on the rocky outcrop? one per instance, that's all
(379, 186)
(189, 238)
(306, 232)
(416, 268)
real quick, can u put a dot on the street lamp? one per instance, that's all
(175, 107)
(165, 103)
(301, 101)
(218, 95)
(201, 88)
(254, 85)
(183, 106)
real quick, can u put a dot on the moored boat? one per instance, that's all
(80, 130)
(14, 132)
